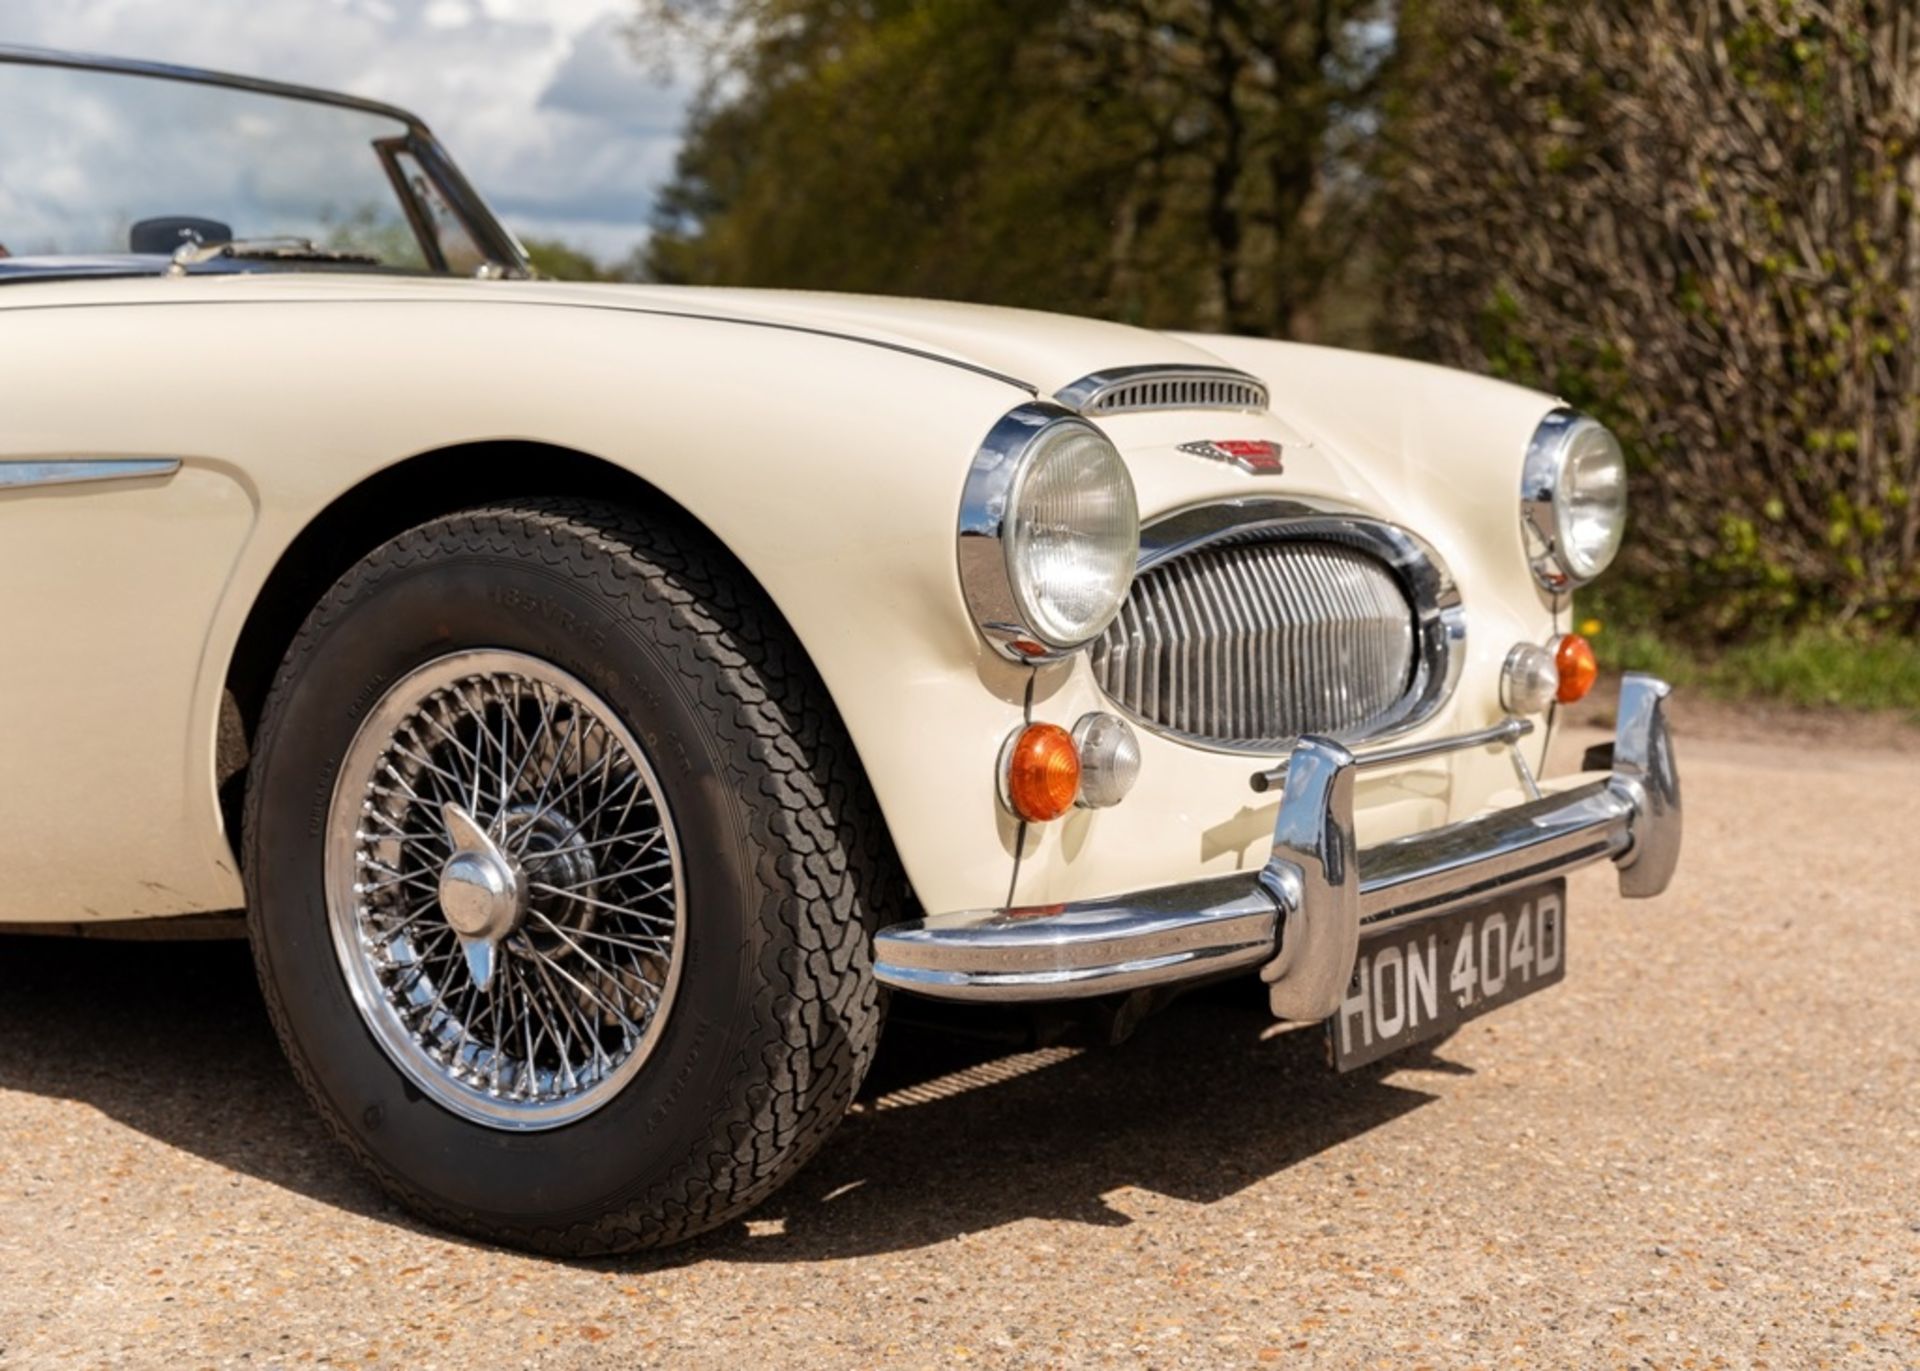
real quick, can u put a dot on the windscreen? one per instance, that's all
(95, 162)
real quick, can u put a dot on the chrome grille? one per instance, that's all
(1253, 644)
(1150, 388)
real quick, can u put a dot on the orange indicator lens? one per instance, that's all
(1043, 773)
(1579, 668)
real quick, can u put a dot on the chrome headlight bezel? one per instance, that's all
(997, 595)
(1546, 496)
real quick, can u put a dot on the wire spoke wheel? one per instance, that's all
(504, 889)
(470, 861)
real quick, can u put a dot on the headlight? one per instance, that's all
(1049, 533)
(1573, 499)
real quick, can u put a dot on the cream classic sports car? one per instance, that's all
(598, 697)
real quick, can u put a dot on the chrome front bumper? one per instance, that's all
(1300, 918)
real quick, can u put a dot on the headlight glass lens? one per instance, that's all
(1590, 503)
(1072, 535)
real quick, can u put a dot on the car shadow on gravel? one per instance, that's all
(953, 1134)
(171, 1040)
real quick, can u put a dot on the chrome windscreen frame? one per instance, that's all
(1440, 618)
(505, 256)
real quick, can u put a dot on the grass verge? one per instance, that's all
(1815, 668)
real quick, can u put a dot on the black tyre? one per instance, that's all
(561, 874)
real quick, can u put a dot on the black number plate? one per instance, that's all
(1422, 980)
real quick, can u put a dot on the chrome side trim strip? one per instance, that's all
(18, 475)
(1301, 917)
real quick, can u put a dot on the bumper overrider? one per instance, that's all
(1301, 917)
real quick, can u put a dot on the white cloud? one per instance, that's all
(541, 101)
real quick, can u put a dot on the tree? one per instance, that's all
(1698, 218)
(1160, 161)
(560, 261)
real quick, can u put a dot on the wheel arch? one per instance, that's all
(382, 505)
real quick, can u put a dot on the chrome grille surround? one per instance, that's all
(1248, 617)
(1137, 390)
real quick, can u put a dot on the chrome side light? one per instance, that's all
(1049, 533)
(1109, 759)
(1530, 680)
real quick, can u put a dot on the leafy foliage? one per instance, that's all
(558, 261)
(1698, 219)
(1161, 161)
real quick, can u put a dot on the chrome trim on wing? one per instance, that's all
(22, 474)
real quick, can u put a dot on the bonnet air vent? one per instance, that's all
(1134, 390)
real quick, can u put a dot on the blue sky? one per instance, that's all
(543, 103)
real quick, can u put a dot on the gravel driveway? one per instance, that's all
(1702, 1149)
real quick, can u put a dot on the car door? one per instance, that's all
(116, 538)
